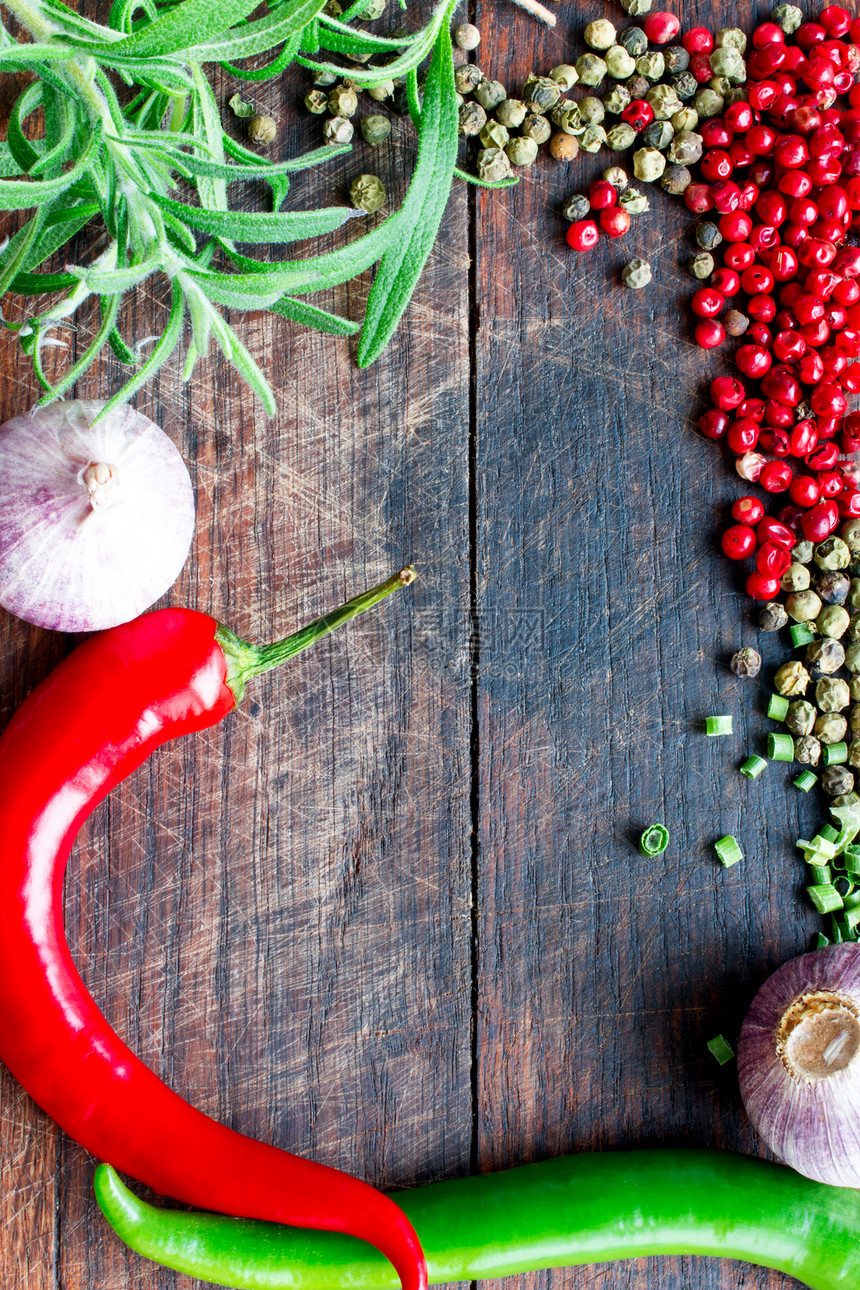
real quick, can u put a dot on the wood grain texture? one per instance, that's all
(390, 913)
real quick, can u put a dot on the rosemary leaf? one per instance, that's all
(254, 226)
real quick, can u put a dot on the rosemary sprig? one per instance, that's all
(121, 164)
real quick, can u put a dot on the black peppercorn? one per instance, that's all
(676, 180)
(772, 616)
(832, 586)
(677, 59)
(735, 322)
(634, 41)
(708, 235)
(746, 661)
(836, 780)
(659, 134)
(684, 84)
(638, 86)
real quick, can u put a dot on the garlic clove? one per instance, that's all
(95, 521)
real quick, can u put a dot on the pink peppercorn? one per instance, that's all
(710, 334)
(660, 27)
(582, 235)
(698, 40)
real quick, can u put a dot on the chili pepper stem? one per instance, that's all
(246, 660)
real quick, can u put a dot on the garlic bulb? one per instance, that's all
(95, 521)
(799, 1064)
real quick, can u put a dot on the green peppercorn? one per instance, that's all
(686, 148)
(617, 177)
(685, 121)
(685, 85)
(621, 137)
(332, 9)
(375, 129)
(317, 102)
(325, 79)
(735, 94)
(651, 65)
(675, 180)
(832, 553)
(728, 62)
(800, 717)
(591, 110)
(522, 151)
(788, 17)
(735, 322)
(831, 694)
(836, 781)
(466, 36)
(337, 129)
(565, 76)
(634, 202)
(803, 606)
(384, 90)
(490, 94)
(494, 135)
(540, 93)
(801, 552)
(566, 115)
(512, 113)
(677, 59)
(592, 138)
(343, 101)
(832, 586)
(852, 657)
(619, 63)
(663, 101)
(634, 41)
(701, 266)
(636, 8)
(262, 129)
(636, 274)
(854, 720)
(807, 750)
(472, 118)
(745, 661)
(659, 134)
(493, 164)
(830, 728)
(467, 77)
(853, 633)
(617, 100)
(790, 679)
(730, 38)
(708, 103)
(648, 164)
(831, 621)
(599, 34)
(772, 616)
(850, 534)
(591, 69)
(367, 193)
(795, 578)
(854, 754)
(576, 208)
(536, 128)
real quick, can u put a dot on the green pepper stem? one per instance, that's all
(245, 660)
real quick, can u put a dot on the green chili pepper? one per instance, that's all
(576, 1209)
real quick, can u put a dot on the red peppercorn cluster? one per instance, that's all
(611, 218)
(782, 173)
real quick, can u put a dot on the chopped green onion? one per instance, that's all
(836, 932)
(800, 634)
(820, 873)
(805, 781)
(851, 856)
(821, 941)
(834, 754)
(753, 766)
(777, 707)
(821, 842)
(654, 840)
(718, 725)
(720, 1048)
(827, 831)
(780, 747)
(729, 852)
(847, 933)
(825, 897)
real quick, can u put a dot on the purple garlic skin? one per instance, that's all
(799, 1064)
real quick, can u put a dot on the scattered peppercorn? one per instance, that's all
(262, 129)
(467, 36)
(367, 193)
(636, 274)
(746, 661)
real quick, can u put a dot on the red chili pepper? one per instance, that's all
(95, 719)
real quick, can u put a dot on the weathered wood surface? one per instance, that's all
(390, 913)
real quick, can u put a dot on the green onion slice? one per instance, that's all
(720, 1048)
(780, 747)
(825, 897)
(801, 634)
(777, 707)
(805, 781)
(753, 766)
(834, 754)
(718, 725)
(654, 840)
(729, 852)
